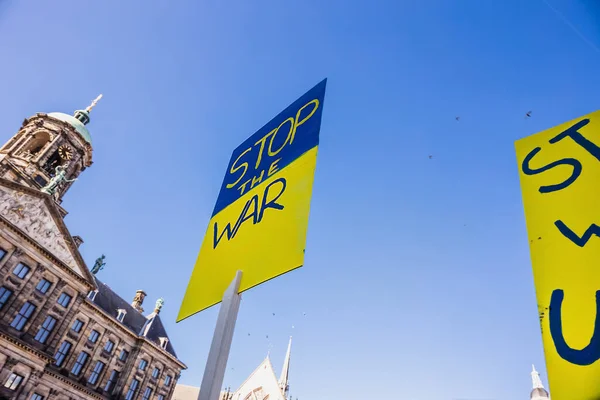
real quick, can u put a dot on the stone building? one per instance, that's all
(63, 333)
(262, 384)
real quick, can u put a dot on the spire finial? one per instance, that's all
(94, 102)
(535, 378)
(285, 372)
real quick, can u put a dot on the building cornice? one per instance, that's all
(75, 385)
(24, 346)
(53, 259)
(169, 355)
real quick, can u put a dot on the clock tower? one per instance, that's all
(49, 151)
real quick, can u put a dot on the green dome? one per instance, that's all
(75, 123)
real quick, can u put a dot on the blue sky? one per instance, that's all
(417, 281)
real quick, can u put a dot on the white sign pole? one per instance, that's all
(221, 343)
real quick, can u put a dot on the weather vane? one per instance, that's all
(94, 102)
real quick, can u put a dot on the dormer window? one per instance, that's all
(163, 342)
(92, 295)
(121, 315)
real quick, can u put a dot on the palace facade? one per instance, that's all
(64, 334)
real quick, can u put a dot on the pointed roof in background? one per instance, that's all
(263, 378)
(535, 378)
(538, 392)
(285, 371)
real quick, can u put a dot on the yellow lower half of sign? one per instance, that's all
(560, 181)
(263, 234)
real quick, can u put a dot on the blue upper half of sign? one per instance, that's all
(273, 147)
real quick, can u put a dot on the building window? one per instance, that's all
(168, 379)
(163, 342)
(4, 296)
(155, 373)
(109, 346)
(13, 382)
(21, 270)
(77, 325)
(62, 353)
(53, 161)
(2, 253)
(143, 364)
(160, 397)
(43, 286)
(124, 354)
(92, 295)
(80, 363)
(121, 315)
(98, 368)
(64, 300)
(45, 329)
(132, 389)
(36, 396)
(94, 335)
(23, 316)
(40, 180)
(112, 381)
(147, 393)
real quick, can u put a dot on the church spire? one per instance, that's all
(285, 371)
(538, 392)
(535, 378)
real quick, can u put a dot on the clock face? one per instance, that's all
(65, 152)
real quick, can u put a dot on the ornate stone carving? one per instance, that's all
(35, 375)
(18, 252)
(39, 122)
(10, 362)
(71, 334)
(31, 215)
(14, 281)
(30, 169)
(59, 311)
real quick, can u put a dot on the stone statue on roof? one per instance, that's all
(159, 305)
(99, 265)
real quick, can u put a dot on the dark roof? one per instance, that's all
(156, 330)
(151, 327)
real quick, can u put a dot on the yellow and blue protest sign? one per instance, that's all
(260, 219)
(560, 182)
